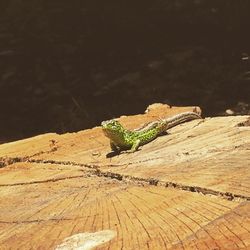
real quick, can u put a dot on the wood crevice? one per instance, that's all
(95, 170)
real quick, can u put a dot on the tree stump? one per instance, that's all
(189, 189)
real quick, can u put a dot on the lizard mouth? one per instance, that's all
(105, 132)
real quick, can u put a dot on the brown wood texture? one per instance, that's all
(189, 189)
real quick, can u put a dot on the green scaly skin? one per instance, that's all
(123, 139)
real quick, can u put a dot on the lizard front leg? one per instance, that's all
(114, 148)
(135, 146)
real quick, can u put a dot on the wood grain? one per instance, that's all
(186, 190)
(67, 201)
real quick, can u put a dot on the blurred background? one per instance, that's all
(68, 65)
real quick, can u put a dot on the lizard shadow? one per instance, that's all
(112, 154)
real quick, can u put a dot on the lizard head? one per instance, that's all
(112, 128)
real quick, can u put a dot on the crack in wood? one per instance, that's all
(42, 181)
(245, 123)
(95, 169)
(35, 221)
(43, 220)
(6, 161)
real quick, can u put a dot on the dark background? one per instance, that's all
(68, 65)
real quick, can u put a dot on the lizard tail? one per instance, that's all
(180, 118)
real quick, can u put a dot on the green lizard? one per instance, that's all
(123, 139)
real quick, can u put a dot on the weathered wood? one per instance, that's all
(49, 202)
(186, 190)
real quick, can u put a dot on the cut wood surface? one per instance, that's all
(189, 189)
